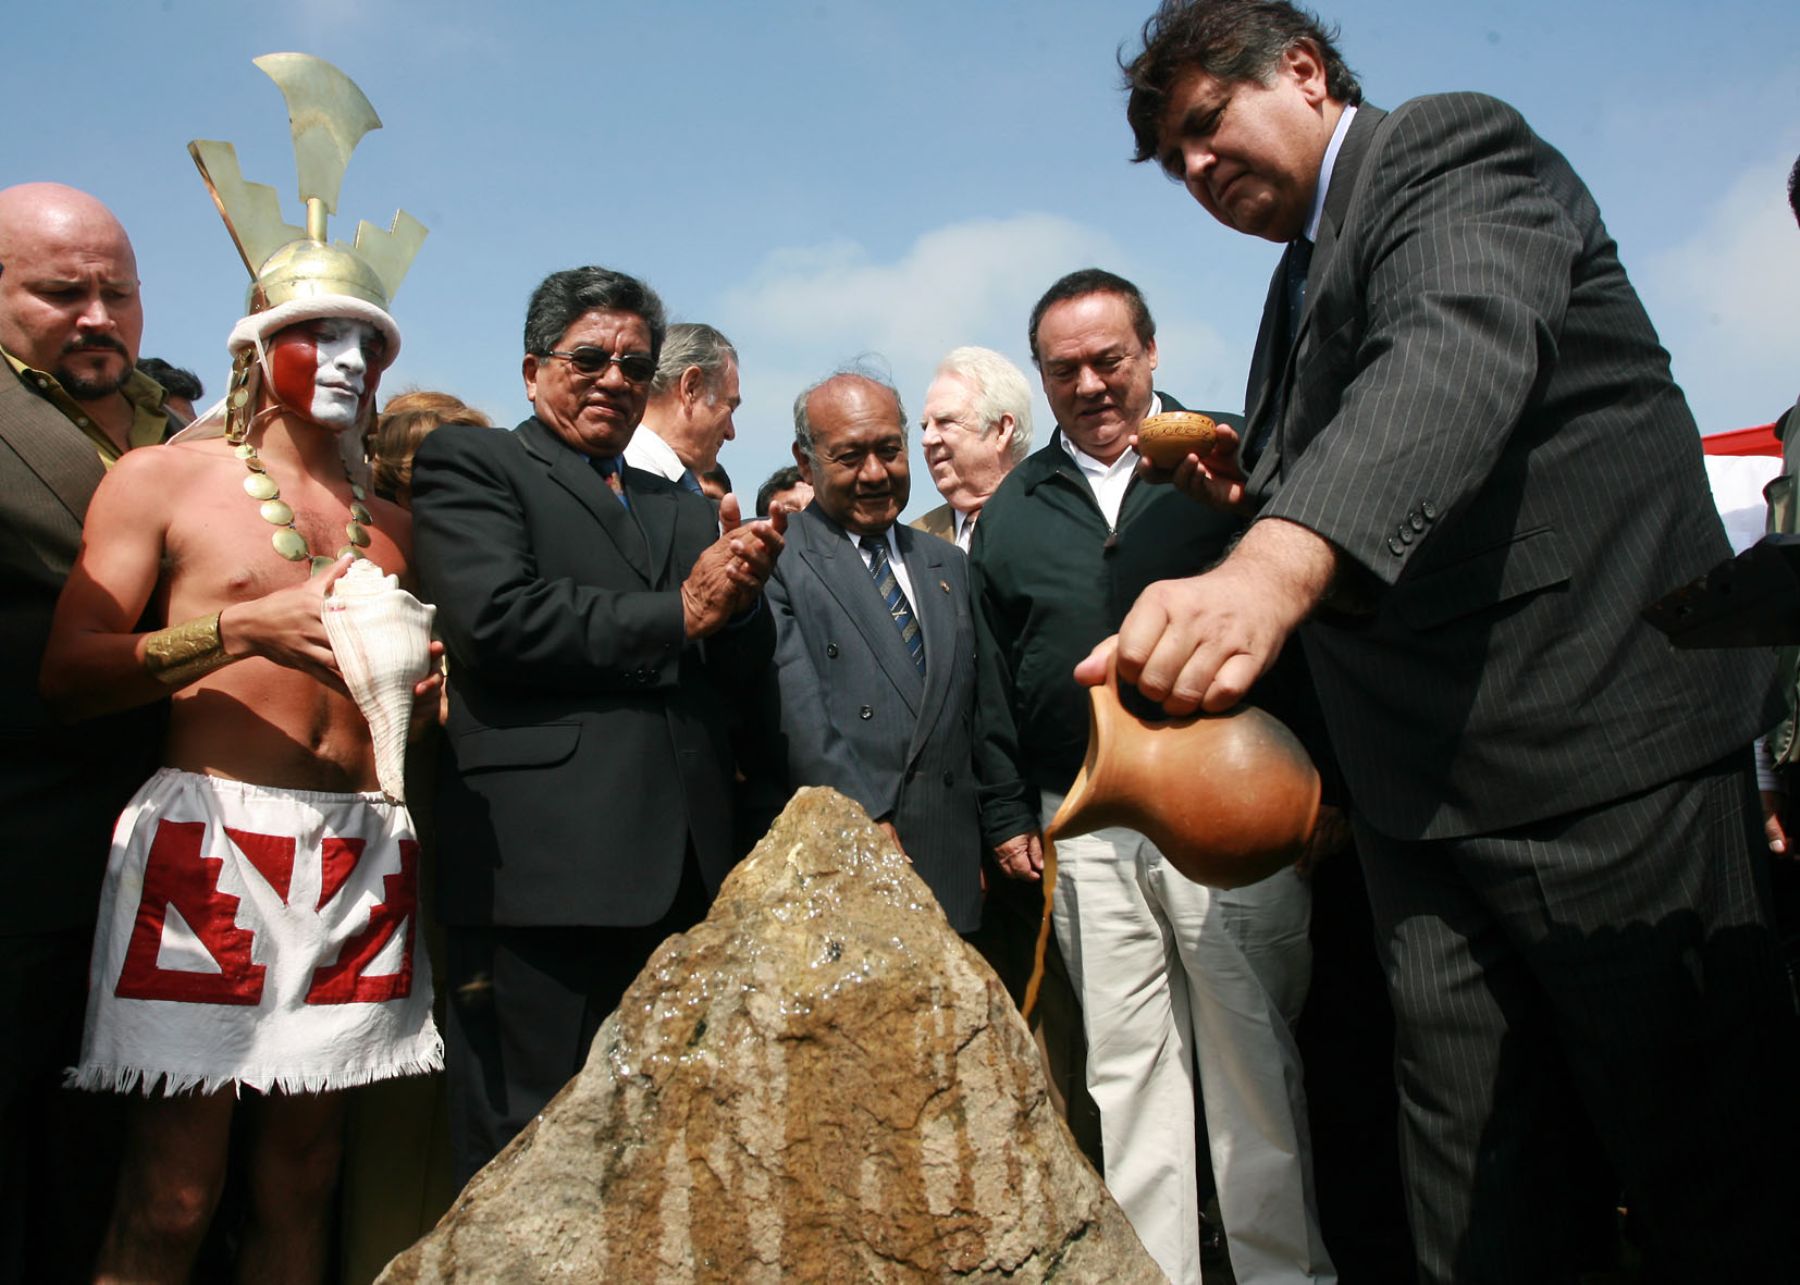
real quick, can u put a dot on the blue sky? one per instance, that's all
(824, 180)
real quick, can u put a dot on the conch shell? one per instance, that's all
(381, 635)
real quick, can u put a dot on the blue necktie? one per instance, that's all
(1295, 264)
(607, 466)
(887, 584)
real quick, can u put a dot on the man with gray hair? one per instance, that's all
(692, 400)
(875, 643)
(977, 425)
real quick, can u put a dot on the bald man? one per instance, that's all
(71, 403)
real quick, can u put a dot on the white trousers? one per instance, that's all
(1172, 973)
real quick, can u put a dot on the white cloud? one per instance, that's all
(805, 310)
(1727, 302)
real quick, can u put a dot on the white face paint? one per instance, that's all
(326, 370)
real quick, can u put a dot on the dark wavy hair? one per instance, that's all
(1229, 40)
(564, 296)
(1086, 281)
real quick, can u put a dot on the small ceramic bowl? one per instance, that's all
(1172, 436)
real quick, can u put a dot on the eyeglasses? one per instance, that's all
(637, 367)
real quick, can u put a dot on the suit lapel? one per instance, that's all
(574, 473)
(1345, 176)
(1271, 370)
(66, 461)
(841, 570)
(655, 512)
(936, 614)
(1265, 364)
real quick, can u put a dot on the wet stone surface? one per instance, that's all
(820, 1082)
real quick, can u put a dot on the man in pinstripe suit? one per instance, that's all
(1470, 469)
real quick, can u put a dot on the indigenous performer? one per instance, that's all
(258, 922)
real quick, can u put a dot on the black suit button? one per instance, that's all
(1426, 508)
(1394, 546)
(865, 712)
(949, 778)
(1416, 521)
(1406, 535)
(831, 650)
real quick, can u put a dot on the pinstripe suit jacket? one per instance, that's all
(856, 715)
(1476, 412)
(61, 788)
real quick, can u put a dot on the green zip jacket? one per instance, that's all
(1051, 579)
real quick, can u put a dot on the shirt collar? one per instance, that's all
(886, 537)
(149, 422)
(648, 451)
(1317, 215)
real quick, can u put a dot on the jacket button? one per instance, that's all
(1394, 546)
(831, 650)
(1406, 535)
(865, 712)
(949, 778)
(1426, 508)
(1416, 521)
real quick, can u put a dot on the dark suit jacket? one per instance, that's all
(61, 788)
(856, 715)
(586, 746)
(1477, 413)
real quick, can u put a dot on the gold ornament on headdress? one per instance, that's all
(289, 263)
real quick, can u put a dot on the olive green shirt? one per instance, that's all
(149, 421)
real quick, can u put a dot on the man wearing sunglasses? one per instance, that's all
(584, 803)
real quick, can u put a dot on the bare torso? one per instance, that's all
(255, 720)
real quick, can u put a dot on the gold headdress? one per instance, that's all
(296, 273)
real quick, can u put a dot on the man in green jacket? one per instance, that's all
(1166, 970)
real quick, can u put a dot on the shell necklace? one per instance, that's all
(277, 512)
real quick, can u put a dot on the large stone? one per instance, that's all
(821, 1082)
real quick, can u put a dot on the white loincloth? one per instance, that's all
(260, 937)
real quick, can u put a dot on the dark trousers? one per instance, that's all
(59, 1149)
(1346, 1037)
(1617, 963)
(524, 1004)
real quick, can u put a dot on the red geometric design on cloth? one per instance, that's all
(343, 982)
(271, 854)
(177, 875)
(336, 863)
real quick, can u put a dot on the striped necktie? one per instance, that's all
(887, 584)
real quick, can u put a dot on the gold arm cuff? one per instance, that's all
(184, 652)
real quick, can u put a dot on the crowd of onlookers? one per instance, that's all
(1523, 975)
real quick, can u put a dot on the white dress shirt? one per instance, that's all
(1109, 481)
(649, 452)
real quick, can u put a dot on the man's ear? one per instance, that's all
(1306, 64)
(804, 461)
(1150, 352)
(693, 386)
(1003, 435)
(529, 368)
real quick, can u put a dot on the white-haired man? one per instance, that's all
(692, 399)
(977, 425)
